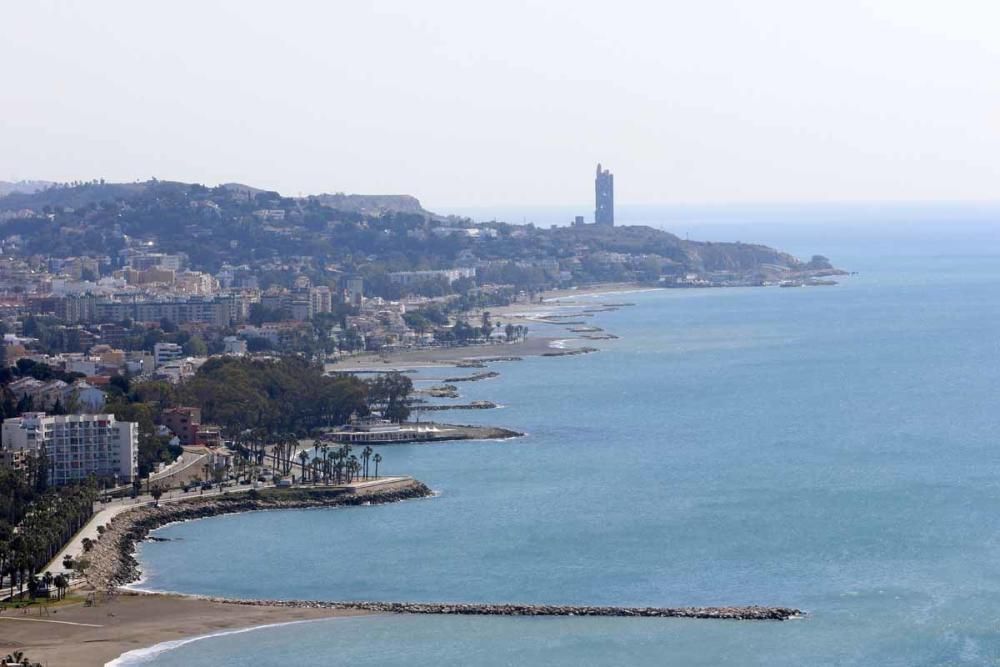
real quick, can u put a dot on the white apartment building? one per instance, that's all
(76, 445)
(164, 353)
(413, 277)
(322, 299)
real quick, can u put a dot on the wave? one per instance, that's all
(142, 656)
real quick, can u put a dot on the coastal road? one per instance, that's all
(105, 512)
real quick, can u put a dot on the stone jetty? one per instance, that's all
(472, 378)
(474, 405)
(736, 613)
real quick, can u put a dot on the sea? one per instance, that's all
(834, 449)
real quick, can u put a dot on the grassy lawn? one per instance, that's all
(41, 603)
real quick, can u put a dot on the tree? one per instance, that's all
(157, 493)
(196, 347)
(61, 583)
(365, 455)
(303, 460)
(377, 459)
(389, 393)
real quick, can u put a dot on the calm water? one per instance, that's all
(834, 449)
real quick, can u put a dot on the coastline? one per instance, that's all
(113, 562)
(557, 336)
(146, 620)
(123, 620)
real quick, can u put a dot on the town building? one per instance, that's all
(234, 345)
(355, 291)
(414, 277)
(322, 299)
(604, 186)
(164, 353)
(76, 446)
(184, 423)
(15, 459)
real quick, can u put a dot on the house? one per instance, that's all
(184, 423)
(87, 397)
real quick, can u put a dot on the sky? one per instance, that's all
(469, 104)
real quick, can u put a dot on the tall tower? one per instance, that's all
(604, 188)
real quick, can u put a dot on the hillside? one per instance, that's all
(27, 187)
(367, 235)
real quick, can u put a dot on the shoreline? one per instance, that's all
(126, 621)
(116, 626)
(113, 561)
(585, 301)
(143, 654)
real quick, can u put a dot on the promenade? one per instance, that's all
(105, 512)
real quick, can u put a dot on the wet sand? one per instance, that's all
(81, 636)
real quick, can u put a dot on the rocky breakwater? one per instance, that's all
(112, 559)
(735, 613)
(472, 378)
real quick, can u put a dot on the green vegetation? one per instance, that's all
(36, 522)
(389, 394)
(220, 225)
(288, 394)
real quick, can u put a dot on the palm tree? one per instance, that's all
(303, 458)
(366, 454)
(61, 583)
(377, 459)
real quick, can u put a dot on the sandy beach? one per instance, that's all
(83, 636)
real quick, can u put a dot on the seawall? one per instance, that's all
(113, 561)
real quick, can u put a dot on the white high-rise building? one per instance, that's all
(76, 445)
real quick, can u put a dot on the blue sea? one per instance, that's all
(835, 449)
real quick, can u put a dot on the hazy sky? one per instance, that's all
(503, 103)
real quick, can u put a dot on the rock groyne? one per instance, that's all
(474, 405)
(733, 613)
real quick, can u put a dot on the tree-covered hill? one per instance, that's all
(364, 235)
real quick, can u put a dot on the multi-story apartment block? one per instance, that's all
(76, 446)
(164, 353)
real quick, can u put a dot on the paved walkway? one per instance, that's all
(195, 460)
